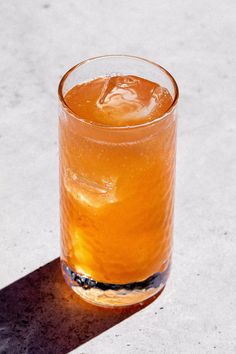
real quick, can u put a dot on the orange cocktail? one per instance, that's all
(117, 166)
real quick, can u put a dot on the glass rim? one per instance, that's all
(112, 127)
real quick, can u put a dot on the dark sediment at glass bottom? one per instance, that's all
(75, 279)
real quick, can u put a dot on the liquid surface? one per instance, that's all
(119, 100)
(117, 198)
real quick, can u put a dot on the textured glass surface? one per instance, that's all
(117, 199)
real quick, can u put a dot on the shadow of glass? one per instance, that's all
(39, 313)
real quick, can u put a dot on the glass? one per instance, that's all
(116, 193)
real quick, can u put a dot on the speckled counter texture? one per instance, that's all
(39, 41)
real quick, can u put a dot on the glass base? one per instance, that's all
(110, 295)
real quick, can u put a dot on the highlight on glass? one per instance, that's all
(117, 138)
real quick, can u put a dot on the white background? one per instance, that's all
(195, 41)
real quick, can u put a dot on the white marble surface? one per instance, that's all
(195, 41)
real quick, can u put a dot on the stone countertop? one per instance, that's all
(195, 41)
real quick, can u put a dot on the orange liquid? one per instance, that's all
(117, 186)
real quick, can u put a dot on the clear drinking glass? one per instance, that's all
(116, 192)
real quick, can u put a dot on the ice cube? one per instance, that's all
(129, 97)
(89, 192)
